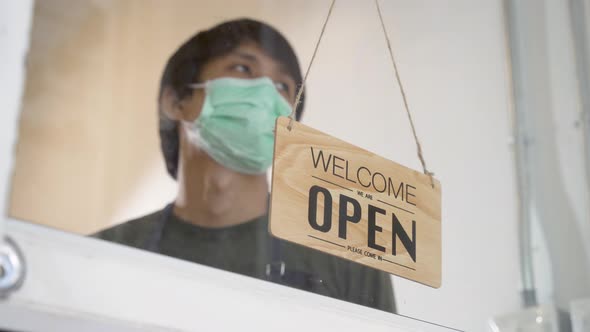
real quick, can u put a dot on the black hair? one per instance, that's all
(185, 64)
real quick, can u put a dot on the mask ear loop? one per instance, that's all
(302, 87)
(197, 85)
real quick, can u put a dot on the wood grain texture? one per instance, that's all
(362, 186)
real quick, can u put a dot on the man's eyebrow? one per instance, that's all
(246, 56)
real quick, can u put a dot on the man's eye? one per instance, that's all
(242, 68)
(282, 86)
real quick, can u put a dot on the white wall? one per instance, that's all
(452, 59)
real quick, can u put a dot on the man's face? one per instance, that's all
(247, 61)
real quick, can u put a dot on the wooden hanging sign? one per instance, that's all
(337, 198)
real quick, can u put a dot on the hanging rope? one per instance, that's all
(397, 76)
(315, 51)
(403, 93)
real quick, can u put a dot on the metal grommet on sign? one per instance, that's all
(12, 267)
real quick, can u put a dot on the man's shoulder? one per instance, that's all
(135, 233)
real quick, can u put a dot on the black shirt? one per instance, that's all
(248, 249)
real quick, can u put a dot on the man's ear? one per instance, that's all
(186, 109)
(170, 104)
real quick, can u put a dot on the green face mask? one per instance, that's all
(236, 124)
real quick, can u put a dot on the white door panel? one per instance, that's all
(74, 281)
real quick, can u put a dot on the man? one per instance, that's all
(220, 95)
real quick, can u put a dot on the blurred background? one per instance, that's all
(499, 91)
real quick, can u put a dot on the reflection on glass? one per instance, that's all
(539, 319)
(107, 135)
(220, 92)
(580, 312)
